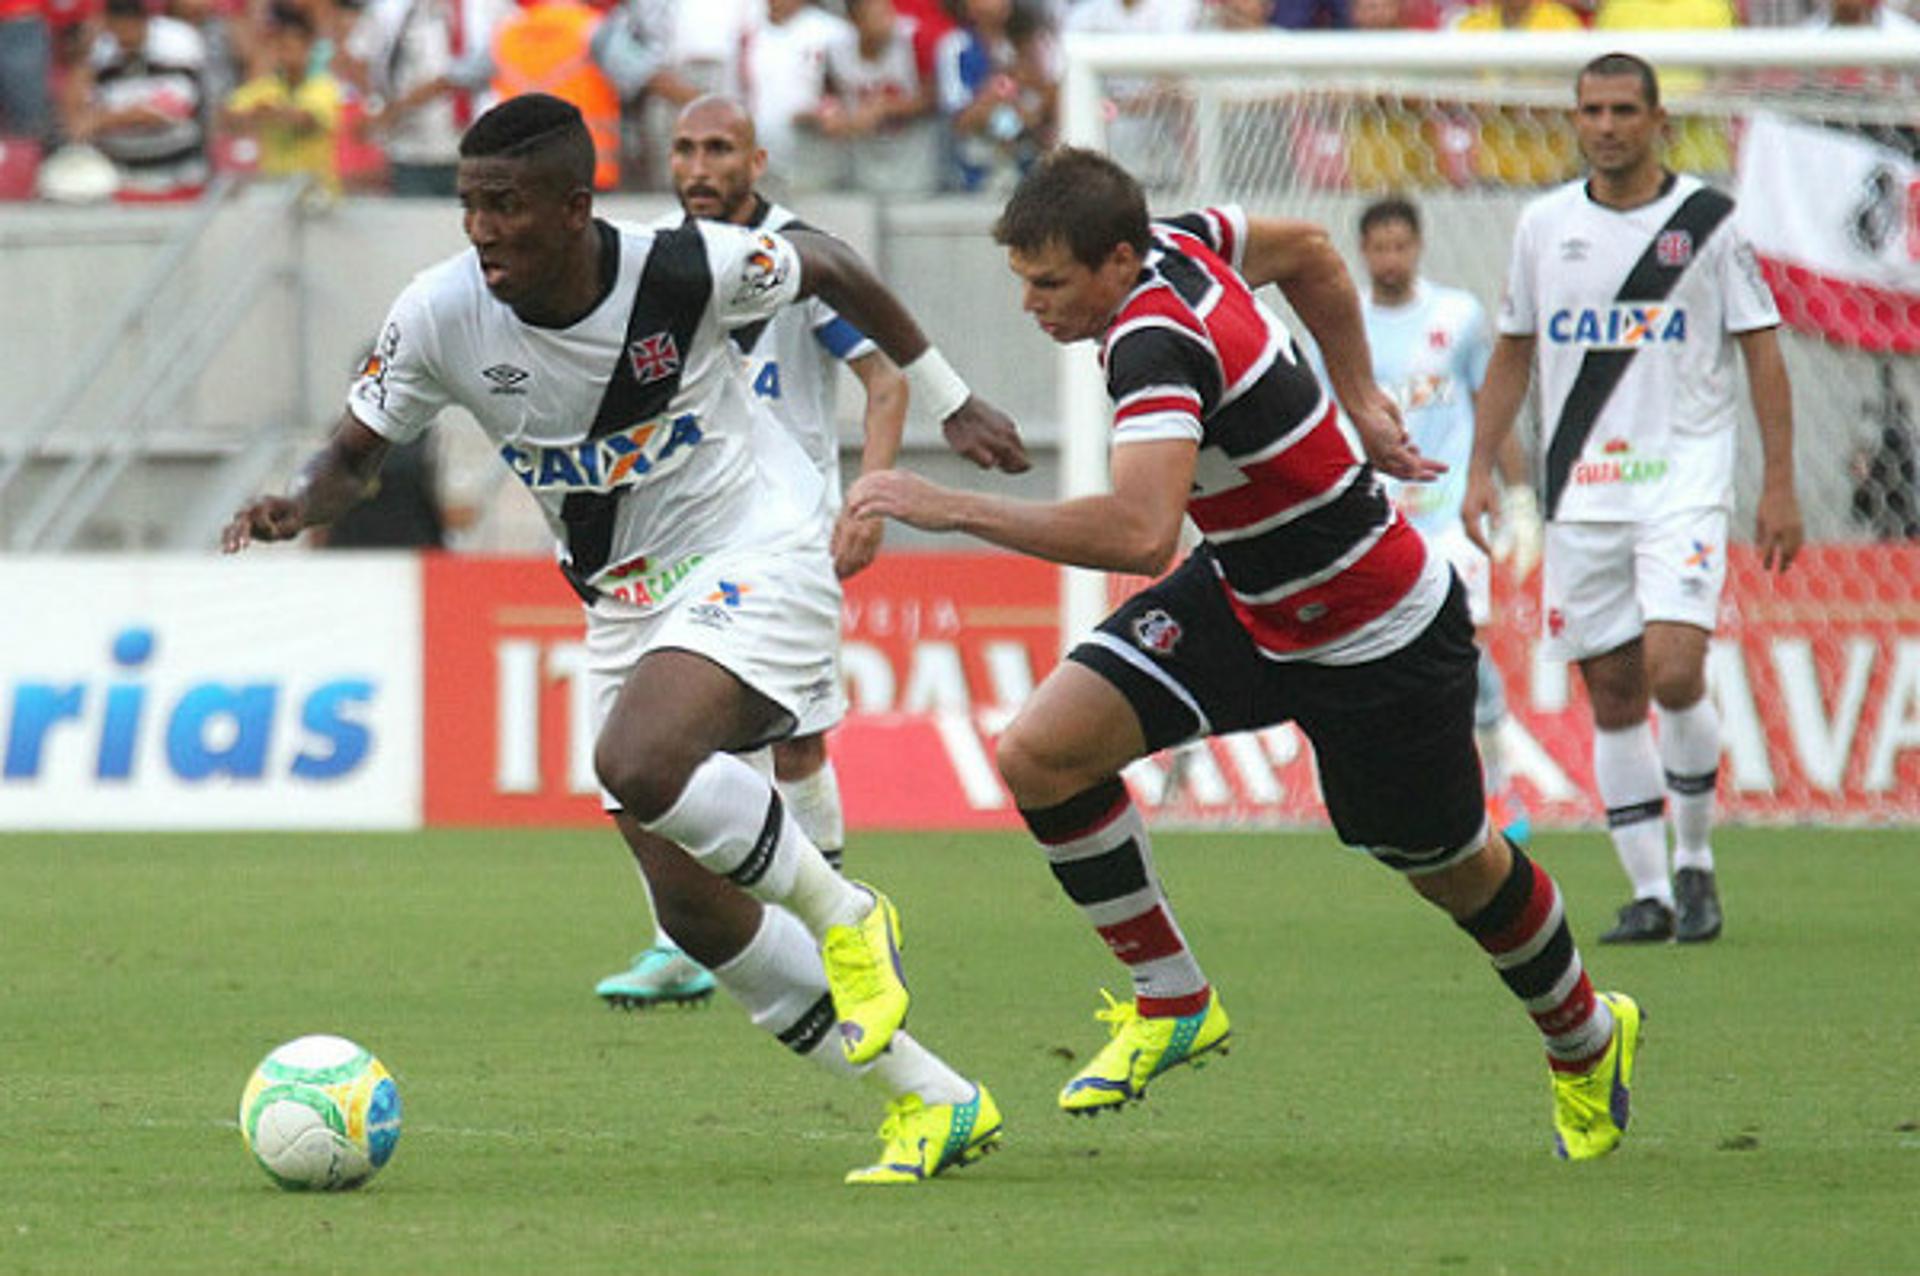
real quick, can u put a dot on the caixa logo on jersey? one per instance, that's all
(621, 459)
(128, 723)
(1619, 327)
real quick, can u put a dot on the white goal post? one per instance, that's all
(1313, 124)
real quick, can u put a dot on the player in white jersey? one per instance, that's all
(1632, 290)
(1430, 345)
(597, 358)
(792, 360)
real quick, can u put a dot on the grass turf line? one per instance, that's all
(1385, 1107)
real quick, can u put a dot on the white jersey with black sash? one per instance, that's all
(632, 427)
(1632, 311)
(792, 361)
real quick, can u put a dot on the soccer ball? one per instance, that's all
(320, 1114)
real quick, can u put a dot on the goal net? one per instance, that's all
(1817, 673)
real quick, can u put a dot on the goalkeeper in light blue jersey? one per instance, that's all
(1430, 346)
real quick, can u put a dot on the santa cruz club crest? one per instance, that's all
(654, 358)
(1674, 248)
(1157, 632)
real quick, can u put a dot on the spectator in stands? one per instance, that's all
(1519, 15)
(1695, 143)
(291, 110)
(634, 46)
(26, 63)
(1378, 15)
(1238, 15)
(1517, 146)
(399, 55)
(784, 66)
(880, 102)
(997, 83)
(1144, 133)
(219, 23)
(558, 47)
(138, 98)
(707, 38)
(1860, 81)
(1874, 14)
(547, 46)
(931, 19)
(1310, 15)
(1133, 17)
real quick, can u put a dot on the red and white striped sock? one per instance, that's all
(1096, 844)
(1524, 929)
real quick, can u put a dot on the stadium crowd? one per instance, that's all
(146, 99)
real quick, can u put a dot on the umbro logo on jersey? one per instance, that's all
(506, 378)
(1574, 249)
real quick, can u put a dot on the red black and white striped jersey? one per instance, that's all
(1315, 560)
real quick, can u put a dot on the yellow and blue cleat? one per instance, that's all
(1590, 1109)
(1142, 1049)
(923, 1140)
(864, 977)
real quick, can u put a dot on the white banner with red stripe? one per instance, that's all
(1834, 217)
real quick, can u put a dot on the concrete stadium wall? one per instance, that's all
(65, 272)
(276, 382)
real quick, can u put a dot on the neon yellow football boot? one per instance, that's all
(1141, 1049)
(923, 1140)
(1590, 1109)
(864, 976)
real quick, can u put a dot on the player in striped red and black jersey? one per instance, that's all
(1309, 599)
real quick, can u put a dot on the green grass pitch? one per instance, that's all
(1384, 1108)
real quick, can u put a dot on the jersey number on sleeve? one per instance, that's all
(767, 384)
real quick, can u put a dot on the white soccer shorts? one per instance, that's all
(1601, 583)
(772, 619)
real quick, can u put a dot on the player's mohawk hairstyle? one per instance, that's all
(534, 124)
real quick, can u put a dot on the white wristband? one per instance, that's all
(934, 385)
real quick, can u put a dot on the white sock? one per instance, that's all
(731, 820)
(778, 978)
(1626, 770)
(907, 1067)
(814, 801)
(1690, 754)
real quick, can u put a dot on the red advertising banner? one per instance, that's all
(1817, 676)
(939, 650)
(508, 728)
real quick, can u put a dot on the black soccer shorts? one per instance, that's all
(1393, 737)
